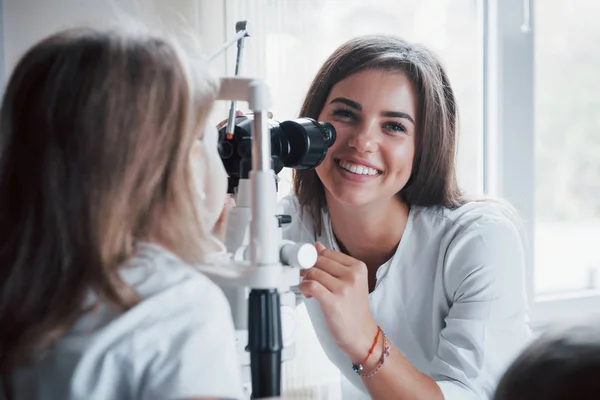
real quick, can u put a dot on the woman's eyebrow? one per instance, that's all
(358, 107)
(348, 102)
(397, 114)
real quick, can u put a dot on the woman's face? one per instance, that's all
(374, 114)
(209, 175)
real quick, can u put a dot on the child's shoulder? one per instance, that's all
(157, 275)
(180, 333)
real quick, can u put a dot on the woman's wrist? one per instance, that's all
(364, 343)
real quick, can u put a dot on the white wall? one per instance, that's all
(27, 21)
(24, 22)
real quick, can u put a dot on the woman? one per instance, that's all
(102, 221)
(417, 293)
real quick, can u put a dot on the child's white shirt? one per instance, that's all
(177, 343)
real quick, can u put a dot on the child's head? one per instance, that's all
(561, 364)
(99, 148)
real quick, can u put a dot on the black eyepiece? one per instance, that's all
(300, 144)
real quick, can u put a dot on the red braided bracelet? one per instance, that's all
(386, 353)
(359, 367)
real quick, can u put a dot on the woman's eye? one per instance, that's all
(395, 127)
(343, 114)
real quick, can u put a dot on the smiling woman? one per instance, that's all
(359, 112)
(417, 291)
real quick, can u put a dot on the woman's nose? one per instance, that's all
(365, 138)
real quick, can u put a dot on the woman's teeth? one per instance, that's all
(357, 169)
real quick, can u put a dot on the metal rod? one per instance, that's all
(237, 37)
(261, 142)
(238, 62)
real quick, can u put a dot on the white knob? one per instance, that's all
(299, 255)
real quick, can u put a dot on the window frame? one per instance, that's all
(509, 124)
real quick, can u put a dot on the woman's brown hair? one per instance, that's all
(433, 181)
(96, 129)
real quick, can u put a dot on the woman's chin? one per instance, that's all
(351, 198)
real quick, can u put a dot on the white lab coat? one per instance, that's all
(452, 299)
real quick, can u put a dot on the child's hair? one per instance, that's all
(96, 129)
(561, 364)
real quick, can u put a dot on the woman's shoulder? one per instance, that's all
(478, 233)
(476, 215)
(480, 228)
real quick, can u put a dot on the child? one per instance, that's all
(562, 363)
(106, 202)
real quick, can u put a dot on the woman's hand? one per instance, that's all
(340, 284)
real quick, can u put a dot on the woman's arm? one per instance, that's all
(485, 326)
(397, 378)
(339, 283)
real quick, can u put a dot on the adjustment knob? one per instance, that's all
(299, 255)
(284, 219)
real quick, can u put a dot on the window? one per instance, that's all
(542, 141)
(567, 146)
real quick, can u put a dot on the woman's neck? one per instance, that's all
(370, 233)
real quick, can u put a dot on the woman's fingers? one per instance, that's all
(337, 256)
(330, 282)
(310, 289)
(330, 266)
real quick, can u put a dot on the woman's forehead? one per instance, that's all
(378, 89)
